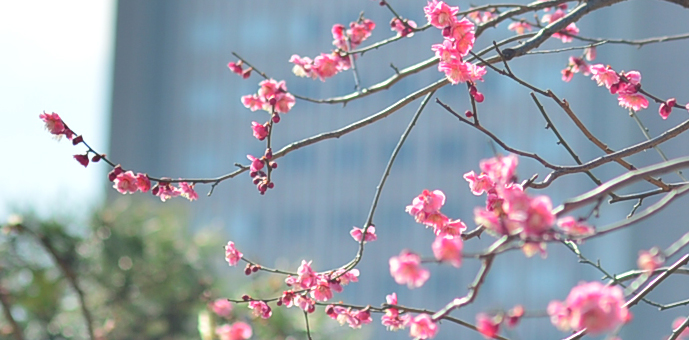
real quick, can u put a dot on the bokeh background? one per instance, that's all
(148, 82)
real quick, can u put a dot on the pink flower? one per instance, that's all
(514, 315)
(448, 248)
(402, 30)
(519, 27)
(325, 66)
(256, 163)
(252, 102)
(261, 309)
(360, 31)
(222, 307)
(449, 228)
(479, 184)
(53, 123)
(82, 159)
(604, 75)
(321, 291)
(635, 101)
(423, 327)
(446, 51)
(165, 191)
(392, 319)
(302, 66)
(406, 269)
(650, 260)
(358, 233)
(143, 182)
(126, 183)
(574, 228)
(232, 255)
(426, 204)
(238, 331)
(355, 318)
(307, 277)
(567, 74)
(458, 71)
(488, 326)
(306, 303)
(666, 108)
(260, 130)
(593, 306)
(500, 169)
(462, 33)
(439, 14)
(590, 53)
(187, 191)
(346, 278)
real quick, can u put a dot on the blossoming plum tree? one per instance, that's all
(514, 213)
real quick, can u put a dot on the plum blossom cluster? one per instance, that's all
(311, 286)
(596, 307)
(489, 325)
(236, 331)
(125, 182)
(355, 318)
(459, 39)
(393, 320)
(237, 67)
(404, 28)
(625, 85)
(272, 97)
(345, 39)
(509, 210)
(447, 247)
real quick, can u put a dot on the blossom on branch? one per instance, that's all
(406, 269)
(423, 327)
(439, 14)
(232, 255)
(358, 233)
(261, 309)
(448, 248)
(593, 306)
(238, 331)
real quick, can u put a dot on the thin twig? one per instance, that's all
(386, 173)
(644, 130)
(308, 328)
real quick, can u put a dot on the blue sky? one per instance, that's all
(57, 57)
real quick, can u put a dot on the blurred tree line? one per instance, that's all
(135, 271)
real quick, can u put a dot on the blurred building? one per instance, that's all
(176, 113)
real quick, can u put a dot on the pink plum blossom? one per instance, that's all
(238, 331)
(449, 228)
(487, 325)
(519, 27)
(666, 108)
(392, 319)
(143, 182)
(604, 75)
(423, 327)
(256, 163)
(186, 190)
(500, 169)
(448, 248)
(221, 307)
(593, 306)
(260, 130)
(252, 102)
(426, 204)
(306, 303)
(650, 260)
(261, 309)
(126, 183)
(358, 233)
(325, 66)
(439, 14)
(574, 228)
(53, 123)
(479, 184)
(321, 291)
(307, 277)
(634, 101)
(232, 255)
(406, 269)
(458, 71)
(360, 31)
(564, 35)
(446, 51)
(354, 317)
(165, 191)
(462, 34)
(401, 29)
